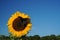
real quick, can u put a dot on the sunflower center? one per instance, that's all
(20, 23)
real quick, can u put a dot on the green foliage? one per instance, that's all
(35, 37)
(2, 37)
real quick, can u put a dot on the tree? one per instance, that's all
(45, 38)
(53, 37)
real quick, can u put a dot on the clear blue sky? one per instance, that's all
(45, 15)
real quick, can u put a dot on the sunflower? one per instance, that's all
(19, 24)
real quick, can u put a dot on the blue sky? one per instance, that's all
(45, 15)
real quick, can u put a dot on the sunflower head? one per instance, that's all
(19, 24)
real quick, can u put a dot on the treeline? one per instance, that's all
(35, 37)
